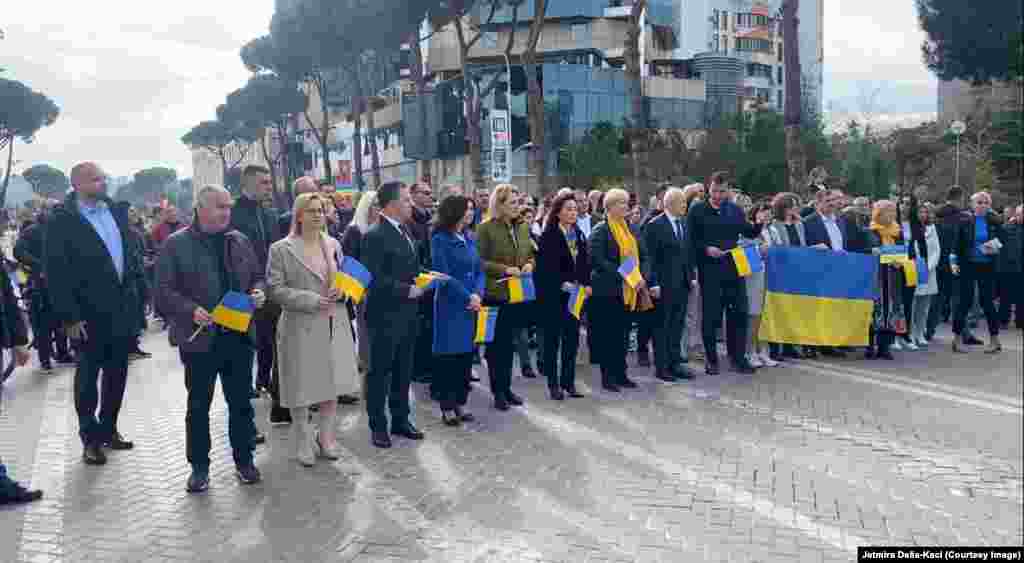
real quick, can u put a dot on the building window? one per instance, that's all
(780, 52)
(725, 20)
(778, 99)
(779, 69)
(753, 45)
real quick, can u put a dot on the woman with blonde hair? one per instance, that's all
(314, 345)
(888, 315)
(506, 250)
(612, 244)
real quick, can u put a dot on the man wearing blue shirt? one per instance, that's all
(95, 275)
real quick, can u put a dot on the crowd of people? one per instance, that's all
(658, 278)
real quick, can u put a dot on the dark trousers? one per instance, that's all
(423, 357)
(109, 355)
(729, 296)
(984, 276)
(1011, 292)
(880, 340)
(561, 334)
(267, 373)
(611, 324)
(392, 342)
(230, 358)
(451, 379)
(499, 353)
(670, 317)
(47, 329)
(908, 309)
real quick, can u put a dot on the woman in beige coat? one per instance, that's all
(314, 338)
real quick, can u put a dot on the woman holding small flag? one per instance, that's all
(456, 305)
(507, 254)
(563, 284)
(314, 340)
(619, 269)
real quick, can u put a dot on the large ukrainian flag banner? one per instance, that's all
(818, 298)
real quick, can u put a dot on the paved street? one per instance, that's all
(797, 464)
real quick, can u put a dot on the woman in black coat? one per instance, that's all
(563, 264)
(974, 261)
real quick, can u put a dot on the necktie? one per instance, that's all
(675, 229)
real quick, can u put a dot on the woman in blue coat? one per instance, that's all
(456, 303)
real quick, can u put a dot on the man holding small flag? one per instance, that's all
(714, 227)
(209, 283)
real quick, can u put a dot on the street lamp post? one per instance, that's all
(957, 128)
(528, 145)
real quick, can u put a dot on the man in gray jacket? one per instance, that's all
(196, 268)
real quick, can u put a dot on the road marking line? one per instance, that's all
(953, 389)
(988, 405)
(49, 466)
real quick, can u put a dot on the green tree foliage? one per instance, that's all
(969, 40)
(47, 181)
(865, 170)
(595, 159)
(761, 153)
(228, 140)
(153, 183)
(23, 112)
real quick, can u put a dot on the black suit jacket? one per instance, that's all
(605, 280)
(556, 266)
(394, 265)
(84, 285)
(671, 266)
(814, 226)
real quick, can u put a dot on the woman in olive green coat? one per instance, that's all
(503, 242)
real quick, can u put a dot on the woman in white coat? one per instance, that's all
(314, 337)
(925, 292)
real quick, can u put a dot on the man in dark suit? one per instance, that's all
(95, 276)
(827, 230)
(390, 254)
(672, 274)
(714, 227)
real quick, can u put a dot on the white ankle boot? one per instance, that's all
(302, 436)
(329, 424)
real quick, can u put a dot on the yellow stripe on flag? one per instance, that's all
(910, 270)
(234, 320)
(349, 286)
(742, 264)
(815, 321)
(515, 290)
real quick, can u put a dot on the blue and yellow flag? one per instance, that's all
(892, 254)
(427, 280)
(818, 298)
(521, 289)
(234, 311)
(630, 271)
(485, 321)
(21, 276)
(747, 259)
(353, 279)
(910, 272)
(577, 297)
(922, 271)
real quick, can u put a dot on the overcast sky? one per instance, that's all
(133, 77)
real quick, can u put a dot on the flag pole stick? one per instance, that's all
(196, 333)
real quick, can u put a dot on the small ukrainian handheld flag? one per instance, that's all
(911, 272)
(353, 279)
(521, 289)
(485, 321)
(630, 271)
(747, 259)
(21, 276)
(427, 280)
(892, 253)
(234, 312)
(577, 297)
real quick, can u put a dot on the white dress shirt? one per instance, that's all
(583, 222)
(834, 234)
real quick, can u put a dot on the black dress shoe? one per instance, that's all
(529, 373)
(972, 340)
(248, 474)
(450, 418)
(556, 394)
(611, 387)
(93, 455)
(464, 416)
(513, 399)
(870, 354)
(65, 360)
(885, 356)
(13, 493)
(627, 383)
(347, 399)
(407, 430)
(501, 404)
(280, 416)
(665, 375)
(117, 442)
(259, 438)
(682, 373)
(573, 393)
(833, 352)
(711, 369)
(380, 439)
(198, 482)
